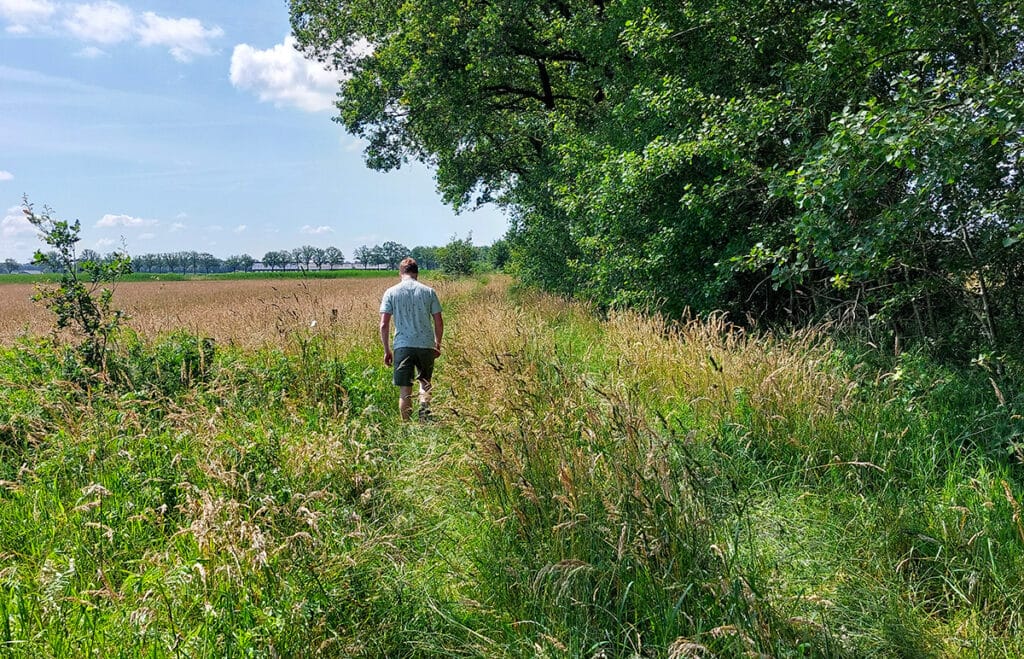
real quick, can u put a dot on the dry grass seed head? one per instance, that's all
(223, 526)
(684, 648)
(709, 361)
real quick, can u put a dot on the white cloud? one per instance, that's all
(6, 175)
(177, 226)
(110, 220)
(146, 236)
(91, 52)
(281, 75)
(183, 37)
(20, 14)
(105, 242)
(103, 22)
(315, 231)
(107, 22)
(241, 228)
(15, 224)
(15, 234)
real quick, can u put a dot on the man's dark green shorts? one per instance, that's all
(413, 364)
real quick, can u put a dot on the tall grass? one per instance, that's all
(839, 508)
(591, 488)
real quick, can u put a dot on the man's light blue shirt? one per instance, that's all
(412, 306)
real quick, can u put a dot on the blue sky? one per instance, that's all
(192, 125)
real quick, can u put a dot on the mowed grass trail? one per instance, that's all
(237, 484)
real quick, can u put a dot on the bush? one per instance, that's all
(80, 300)
(457, 257)
(170, 365)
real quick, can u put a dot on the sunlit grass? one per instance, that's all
(238, 483)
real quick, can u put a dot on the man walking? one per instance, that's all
(418, 331)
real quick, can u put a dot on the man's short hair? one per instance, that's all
(408, 266)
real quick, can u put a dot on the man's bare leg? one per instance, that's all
(405, 402)
(425, 389)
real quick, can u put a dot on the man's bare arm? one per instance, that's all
(438, 331)
(385, 336)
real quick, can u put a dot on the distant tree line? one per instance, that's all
(190, 263)
(459, 256)
(47, 258)
(169, 262)
(306, 257)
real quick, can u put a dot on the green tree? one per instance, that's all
(426, 257)
(318, 257)
(499, 254)
(144, 262)
(173, 261)
(513, 101)
(82, 298)
(11, 266)
(276, 259)
(87, 255)
(333, 257)
(362, 255)
(392, 253)
(785, 159)
(458, 256)
(466, 87)
(208, 262)
(375, 256)
(239, 262)
(907, 198)
(304, 256)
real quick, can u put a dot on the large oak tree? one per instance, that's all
(758, 156)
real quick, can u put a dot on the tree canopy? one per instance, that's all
(767, 158)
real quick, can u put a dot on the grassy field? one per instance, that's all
(237, 484)
(247, 311)
(224, 276)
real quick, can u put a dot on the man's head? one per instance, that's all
(408, 266)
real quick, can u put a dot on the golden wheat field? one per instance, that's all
(245, 312)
